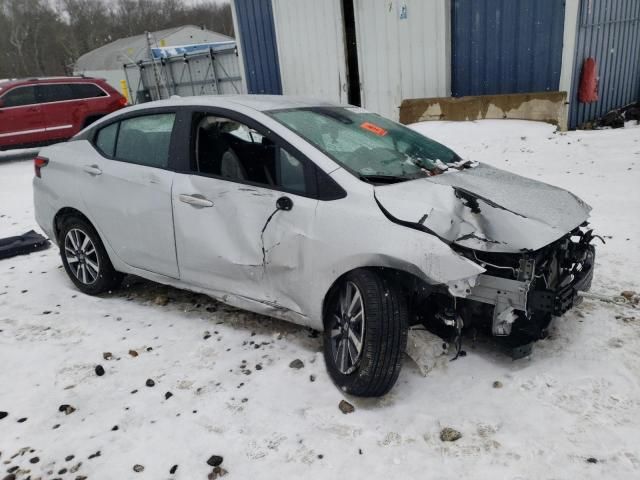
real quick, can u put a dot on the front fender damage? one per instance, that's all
(460, 274)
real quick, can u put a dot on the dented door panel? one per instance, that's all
(242, 244)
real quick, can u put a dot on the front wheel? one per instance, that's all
(85, 258)
(365, 333)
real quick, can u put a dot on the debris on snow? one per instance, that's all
(345, 407)
(297, 364)
(66, 409)
(214, 460)
(425, 349)
(448, 434)
(217, 472)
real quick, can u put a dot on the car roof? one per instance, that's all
(260, 103)
(12, 82)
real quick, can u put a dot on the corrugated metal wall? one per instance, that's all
(258, 43)
(403, 51)
(506, 46)
(609, 31)
(311, 50)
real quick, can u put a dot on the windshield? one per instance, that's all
(367, 144)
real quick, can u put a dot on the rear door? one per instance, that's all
(127, 189)
(61, 111)
(245, 212)
(21, 121)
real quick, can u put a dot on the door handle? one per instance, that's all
(92, 169)
(196, 200)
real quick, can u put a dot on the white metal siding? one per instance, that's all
(402, 58)
(310, 36)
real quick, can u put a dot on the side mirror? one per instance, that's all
(1, 103)
(284, 203)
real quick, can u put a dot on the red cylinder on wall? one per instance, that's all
(588, 90)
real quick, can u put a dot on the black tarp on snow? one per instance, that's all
(22, 244)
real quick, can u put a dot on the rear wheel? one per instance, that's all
(365, 333)
(85, 258)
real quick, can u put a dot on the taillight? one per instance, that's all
(39, 163)
(122, 101)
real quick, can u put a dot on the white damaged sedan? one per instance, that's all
(324, 215)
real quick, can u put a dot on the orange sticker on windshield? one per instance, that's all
(374, 128)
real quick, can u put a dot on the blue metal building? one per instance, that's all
(506, 46)
(254, 19)
(388, 51)
(609, 32)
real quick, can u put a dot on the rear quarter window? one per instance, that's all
(87, 90)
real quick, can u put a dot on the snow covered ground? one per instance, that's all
(570, 411)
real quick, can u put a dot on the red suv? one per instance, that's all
(35, 112)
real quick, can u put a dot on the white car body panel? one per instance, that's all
(137, 193)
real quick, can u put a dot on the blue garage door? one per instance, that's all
(608, 31)
(506, 46)
(258, 39)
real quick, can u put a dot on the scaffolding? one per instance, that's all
(184, 71)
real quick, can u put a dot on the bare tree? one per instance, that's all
(39, 37)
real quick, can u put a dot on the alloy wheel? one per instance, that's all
(347, 329)
(81, 256)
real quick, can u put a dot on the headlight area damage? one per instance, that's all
(519, 294)
(534, 244)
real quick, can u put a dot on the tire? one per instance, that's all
(88, 266)
(373, 370)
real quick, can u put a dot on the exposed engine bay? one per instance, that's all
(518, 295)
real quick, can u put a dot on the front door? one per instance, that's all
(21, 122)
(127, 190)
(243, 216)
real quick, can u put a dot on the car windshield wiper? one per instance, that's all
(377, 179)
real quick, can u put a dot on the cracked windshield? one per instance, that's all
(371, 147)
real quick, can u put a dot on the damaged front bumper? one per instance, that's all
(547, 283)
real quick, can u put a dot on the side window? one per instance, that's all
(230, 149)
(20, 96)
(145, 140)
(86, 90)
(55, 92)
(106, 139)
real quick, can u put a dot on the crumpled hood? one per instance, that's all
(485, 208)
